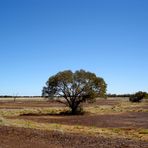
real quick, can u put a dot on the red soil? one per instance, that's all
(29, 138)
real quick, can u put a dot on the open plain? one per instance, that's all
(107, 123)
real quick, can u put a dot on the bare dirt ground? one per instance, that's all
(29, 138)
(125, 120)
(26, 135)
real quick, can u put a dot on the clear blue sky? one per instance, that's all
(39, 38)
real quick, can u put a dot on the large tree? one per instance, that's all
(75, 88)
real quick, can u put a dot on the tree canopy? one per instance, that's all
(75, 87)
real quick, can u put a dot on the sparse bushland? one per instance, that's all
(97, 121)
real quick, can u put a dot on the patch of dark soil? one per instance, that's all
(11, 137)
(127, 120)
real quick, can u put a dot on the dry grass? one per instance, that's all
(124, 106)
(37, 111)
(141, 134)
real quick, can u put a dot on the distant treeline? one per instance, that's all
(125, 95)
(5, 96)
(119, 95)
(108, 95)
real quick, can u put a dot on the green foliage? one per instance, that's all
(137, 97)
(146, 96)
(75, 88)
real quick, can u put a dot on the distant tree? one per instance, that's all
(15, 96)
(75, 88)
(137, 97)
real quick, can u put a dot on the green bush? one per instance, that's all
(146, 96)
(137, 97)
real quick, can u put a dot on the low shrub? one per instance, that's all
(137, 97)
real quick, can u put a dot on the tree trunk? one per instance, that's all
(74, 110)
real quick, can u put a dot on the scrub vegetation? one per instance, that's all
(105, 123)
